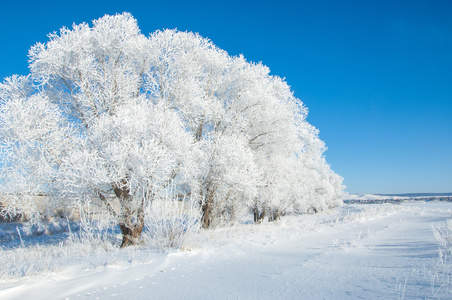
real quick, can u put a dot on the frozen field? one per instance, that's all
(354, 252)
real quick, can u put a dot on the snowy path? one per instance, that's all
(378, 254)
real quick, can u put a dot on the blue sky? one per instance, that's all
(375, 75)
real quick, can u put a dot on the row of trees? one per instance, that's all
(113, 118)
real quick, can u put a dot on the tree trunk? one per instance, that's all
(274, 216)
(131, 232)
(258, 216)
(207, 208)
(131, 227)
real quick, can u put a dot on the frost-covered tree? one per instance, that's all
(111, 118)
(199, 81)
(34, 139)
(90, 131)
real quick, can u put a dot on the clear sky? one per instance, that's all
(375, 75)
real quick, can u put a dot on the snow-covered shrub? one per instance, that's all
(442, 276)
(170, 222)
(98, 229)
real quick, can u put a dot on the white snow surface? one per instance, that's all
(361, 251)
(420, 197)
(362, 197)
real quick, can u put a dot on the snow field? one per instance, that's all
(357, 251)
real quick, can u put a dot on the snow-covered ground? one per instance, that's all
(358, 251)
(364, 197)
(402, 197)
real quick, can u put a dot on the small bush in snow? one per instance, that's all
(169, 223)
(442, 276)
